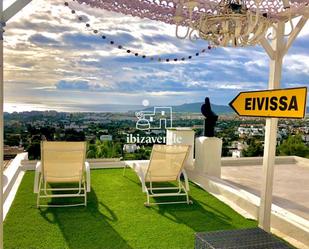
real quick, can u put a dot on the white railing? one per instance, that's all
(12, 177)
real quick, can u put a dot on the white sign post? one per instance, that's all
(276, 51)
(271, 133)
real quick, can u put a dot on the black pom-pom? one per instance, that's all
(66, 4)
(95, 31)
(182, 59)
(197, 54)
(167, 60)
(103, 37)
(175, 59)
(189, 57)
(120, 47)
(144, 56)
(87, 25)
(136, 54)
(128, 51)
(111, 42)
(73, 11)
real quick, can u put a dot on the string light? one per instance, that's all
(136, 54)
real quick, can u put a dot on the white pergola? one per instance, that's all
(276, 50)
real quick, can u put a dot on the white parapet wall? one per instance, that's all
(252, 161)
(94, 163)
(12, 177)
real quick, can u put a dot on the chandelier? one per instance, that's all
(222, 22)
(230, 23)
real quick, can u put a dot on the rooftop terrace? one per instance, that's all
(291, 185)
(115, 218)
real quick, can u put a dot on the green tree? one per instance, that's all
(91, 151)
(254, 149)
(104, 149)
(293, 146)
(73, 135)
(225, 149)
(143, 154)
(12, 140)
(48, 133)
(34, 148)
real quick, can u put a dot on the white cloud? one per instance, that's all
(297, 64)
(45, 45)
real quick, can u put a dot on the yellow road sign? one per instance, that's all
(281, 103)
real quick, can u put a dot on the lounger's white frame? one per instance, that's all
(41, 185)
(183, 188)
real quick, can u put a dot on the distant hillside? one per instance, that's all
(196, 108)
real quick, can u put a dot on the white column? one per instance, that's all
(278, 46)
(208, 152)
(1, 124)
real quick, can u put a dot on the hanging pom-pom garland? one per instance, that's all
(129, 51)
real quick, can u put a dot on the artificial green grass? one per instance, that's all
(114, 218)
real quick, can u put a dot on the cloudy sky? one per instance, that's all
(52, 61)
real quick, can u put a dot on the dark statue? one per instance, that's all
(210, 119)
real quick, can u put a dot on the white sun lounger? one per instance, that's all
(166, 164)
(62, 163)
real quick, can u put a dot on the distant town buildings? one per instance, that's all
(106, 137)
(234, 131)
(250, 131)
(76, 127)
(236, 149)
